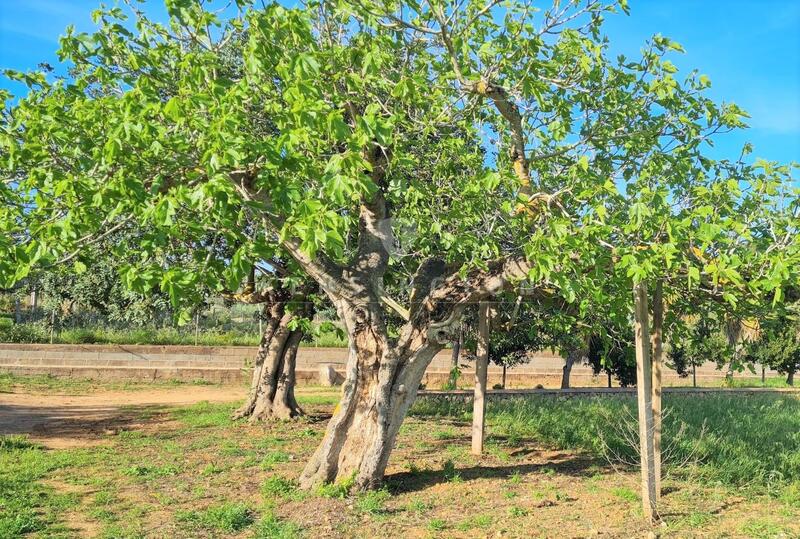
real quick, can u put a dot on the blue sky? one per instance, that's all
(749, 48)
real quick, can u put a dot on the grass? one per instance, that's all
(45, 383)
(272, 527)
(278, 487)
(227, 517)
(186, 472)
(752, 441)
(273, 458)
(205, 414)
(750, 381)
(35, 333)
(373, 502)
(27, 505)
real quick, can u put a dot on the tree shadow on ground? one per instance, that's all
(567, 464)
(60, 426)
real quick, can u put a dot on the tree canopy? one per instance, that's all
(445, 150)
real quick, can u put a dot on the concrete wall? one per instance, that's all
(232, 363)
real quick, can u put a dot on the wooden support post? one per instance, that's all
(644, 381)
(196, 327)
(658, 361)
(481, 368)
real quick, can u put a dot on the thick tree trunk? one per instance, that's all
(382, 374)
(381, 384)
(271, 393)
(790, 378)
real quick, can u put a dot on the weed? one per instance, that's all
(117, 531)
(479, 521)
(272, 527)
(625, 493)
(15, 441)
(437, 524)
(445, 434)
(339, 489)
(232, 449)
(211, 469)
(373, 502)
(763, 528)
(278, 487)
(418, 505)
(449, 471)
(271, 459)
(229, 517)
(412, 468)
(516, 512)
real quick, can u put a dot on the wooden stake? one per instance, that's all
(658, 361)
(196, 327)
(644, 380)
(481, 368)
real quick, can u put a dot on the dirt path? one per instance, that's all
(59, 421)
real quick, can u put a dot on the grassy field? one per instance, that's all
(553, 468)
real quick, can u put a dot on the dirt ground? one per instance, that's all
(162, 462)
(64, 420)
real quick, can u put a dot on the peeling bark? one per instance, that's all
(383, 375)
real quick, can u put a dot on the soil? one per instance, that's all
(156, 464)
(59, 421)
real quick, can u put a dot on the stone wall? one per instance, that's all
(231, 364)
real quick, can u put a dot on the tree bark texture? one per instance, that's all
(383, 374)
(657, 338)
(569, 362)
(481, 369)
(271, 393)
(644, 400)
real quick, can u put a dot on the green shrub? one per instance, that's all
(24, 333)
(40, 333)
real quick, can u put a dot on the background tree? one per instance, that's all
(778, 343)
(696, 342)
